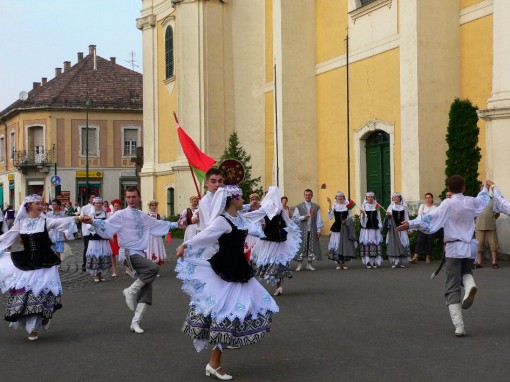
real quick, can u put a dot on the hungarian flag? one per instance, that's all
(377, 206)
(351, 205)
(200, 163)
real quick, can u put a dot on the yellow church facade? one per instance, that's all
(351, 94)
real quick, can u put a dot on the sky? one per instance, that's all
(37, 36)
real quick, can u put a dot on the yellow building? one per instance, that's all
(52, 130)
(310, 108)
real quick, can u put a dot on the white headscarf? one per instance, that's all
(272, 202)
(220, 199)
(402, 200)
(23, 213)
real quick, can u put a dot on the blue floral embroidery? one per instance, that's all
(238, 221)
(266, 297)
(138, 222)
(38, 282)
(100, 225)
(31, 223)
(190, 268)
(240, 307)
(198, 286)
(198, 254)
(210, 301)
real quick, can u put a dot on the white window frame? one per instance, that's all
(138, 140)
(82, 143)
(2, 149)
(27, 129)
(12, 146)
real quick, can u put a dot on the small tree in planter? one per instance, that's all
(463, 154)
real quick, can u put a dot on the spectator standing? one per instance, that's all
(486, 230)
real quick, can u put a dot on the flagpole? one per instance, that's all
(189, 164)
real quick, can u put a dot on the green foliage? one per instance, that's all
(463, 154)
(235, 151)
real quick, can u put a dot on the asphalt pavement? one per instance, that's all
(350, 325)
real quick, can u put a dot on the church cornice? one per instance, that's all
(146, 22)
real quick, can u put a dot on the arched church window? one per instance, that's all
(169, 52)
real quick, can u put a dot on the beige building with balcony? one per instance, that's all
(46, 133)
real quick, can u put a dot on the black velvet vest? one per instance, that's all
(339, 217)
(37, 252)
(372, 222)
(229, 262)
(398, 216)
(275, 229)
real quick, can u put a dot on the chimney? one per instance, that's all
(80, 56)
(92, 49)
(44, 81)
(58, 72)
(36, 85)
(113, 60)
(67, 65)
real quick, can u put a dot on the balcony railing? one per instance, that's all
(35, 158)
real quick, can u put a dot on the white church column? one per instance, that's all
(497, 116)
(147, 24)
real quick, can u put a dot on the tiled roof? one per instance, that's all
(110, 87)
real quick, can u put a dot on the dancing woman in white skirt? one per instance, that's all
(30, 277)
(228, 305)
(272, 254)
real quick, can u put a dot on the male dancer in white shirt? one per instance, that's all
(213, 180)
(457, 215)
(134, 228)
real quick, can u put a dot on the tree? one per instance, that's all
(463, 154)
(235, 151)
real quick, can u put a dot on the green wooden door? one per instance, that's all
(378, 167)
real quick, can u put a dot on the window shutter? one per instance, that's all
(130, 135)
(38, 136)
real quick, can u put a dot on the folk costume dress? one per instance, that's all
(99, 251)
(156, 250)
(343, 239)
(272, 254)
(397, 243)
(30, 278)
(228, 305)
(370, 237)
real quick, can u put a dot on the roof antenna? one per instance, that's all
(132, 61)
